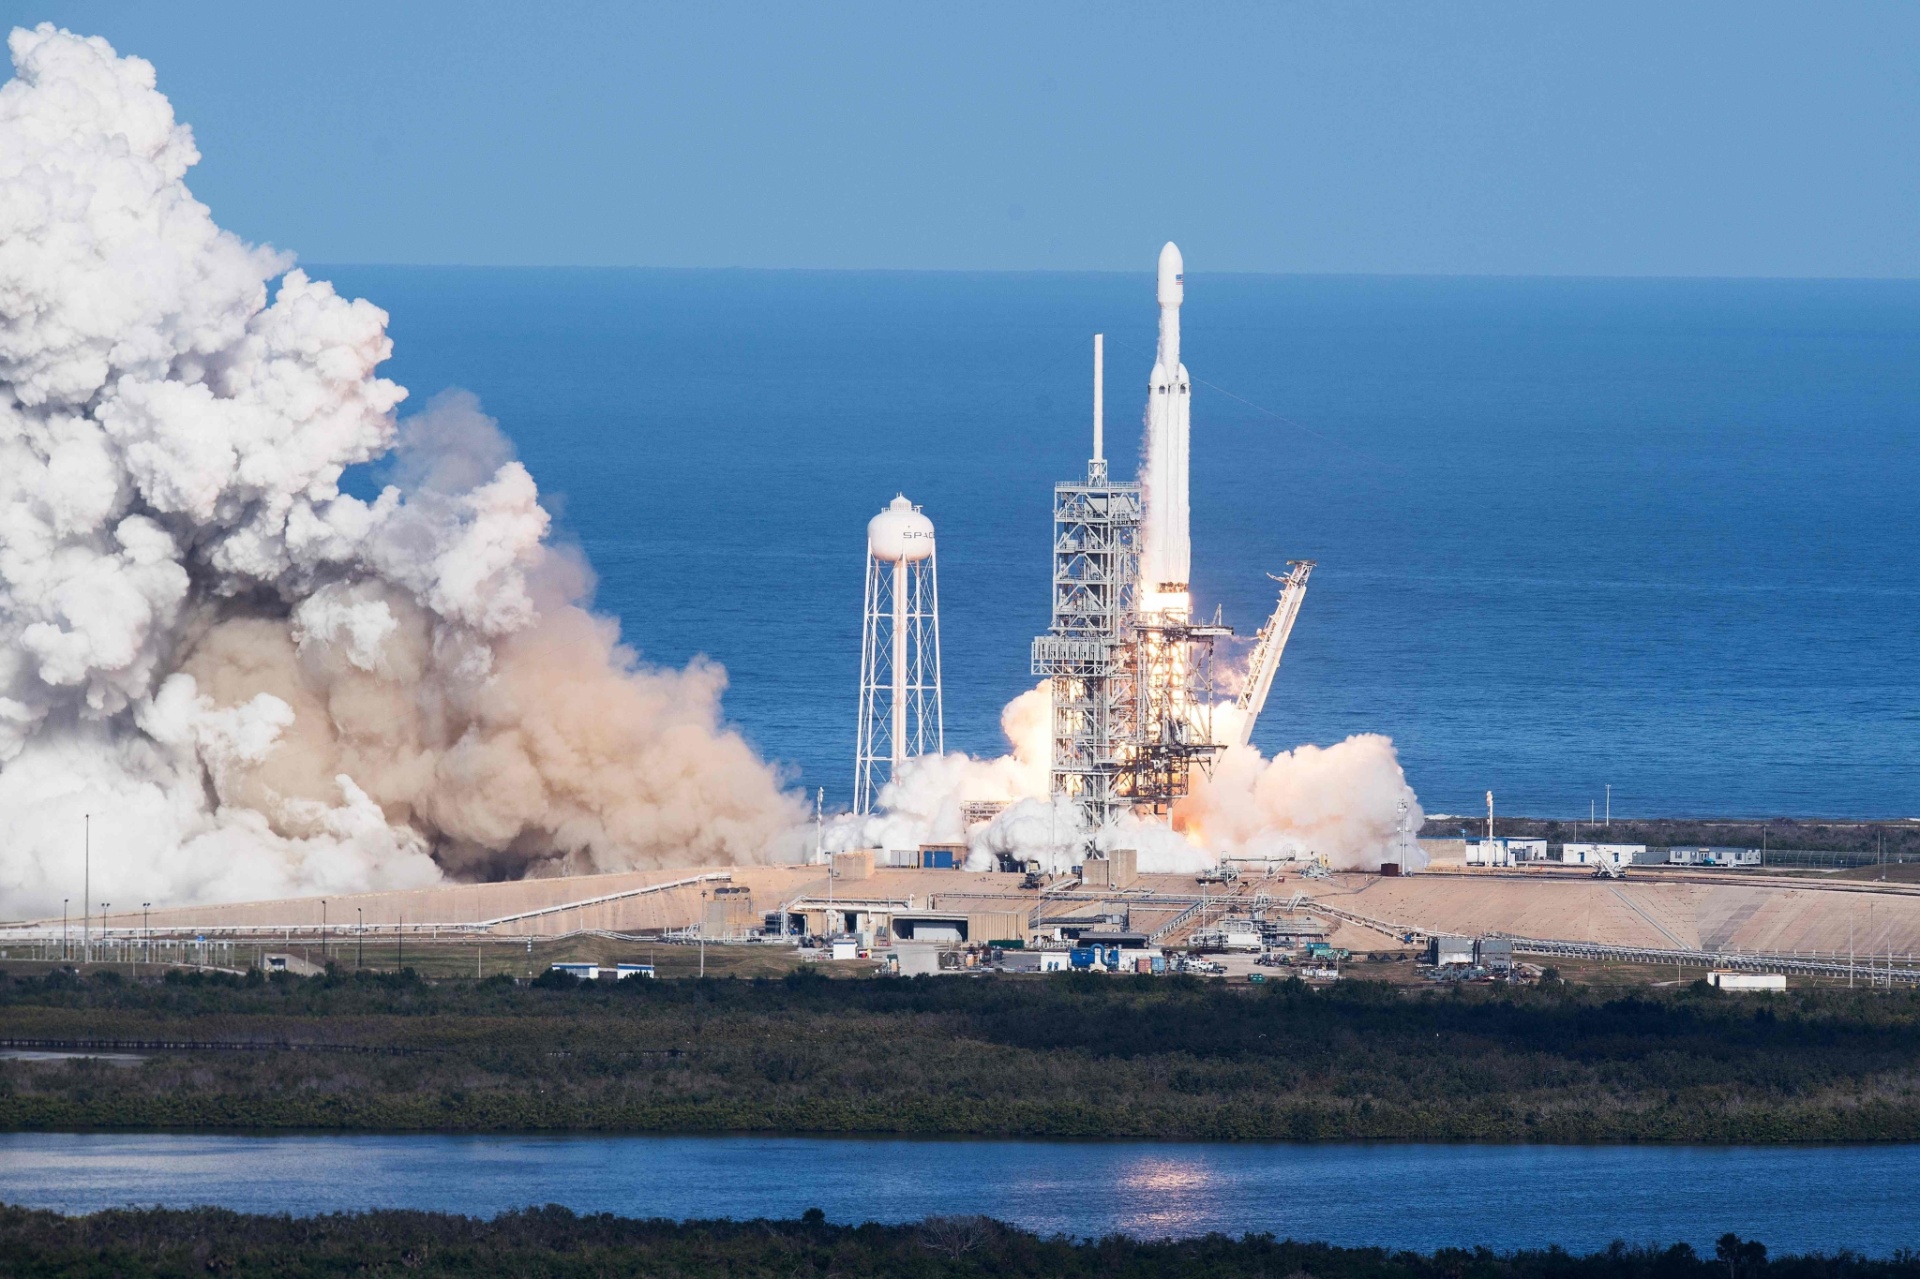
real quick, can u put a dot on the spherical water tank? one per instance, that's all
(900, 533)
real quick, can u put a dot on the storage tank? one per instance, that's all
(900, 533)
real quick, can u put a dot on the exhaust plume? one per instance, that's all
(256, 684)
(1347, 805)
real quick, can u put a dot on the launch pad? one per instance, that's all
(1132, 670)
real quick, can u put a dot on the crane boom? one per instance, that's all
(1268, 645)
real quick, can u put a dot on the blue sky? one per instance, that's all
(1740, 139)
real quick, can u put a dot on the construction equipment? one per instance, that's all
(1267, 648)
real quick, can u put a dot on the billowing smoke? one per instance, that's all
(1347, 806)
(254, 683)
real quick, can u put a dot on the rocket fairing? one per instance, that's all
(1166, 552)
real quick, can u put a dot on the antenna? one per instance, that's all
(1099, 396)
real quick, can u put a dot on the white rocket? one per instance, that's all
(1166, 552)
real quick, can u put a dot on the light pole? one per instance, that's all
(323, 930)
(1609, 803)
(703, 932)
(103, 927)
(360, 932)
(86, 886)
(66, 946)
(146, 933)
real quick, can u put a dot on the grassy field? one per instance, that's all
(1066, 1056)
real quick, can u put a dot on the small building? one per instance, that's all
(730, 912)
(855, 864)
(585, 972)
(1527, 850)
(1033, 961)
(1444, 951)
(844, 948)
(1118, 869)
(1617, 855)
(1113, 952)
(1727, 980)
(914, 961)
(623, 971)
(1488, 852)
(1714, 855)
(942, 856)
(1495, 954)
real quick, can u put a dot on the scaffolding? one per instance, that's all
(1089, 651)
(1174, 691)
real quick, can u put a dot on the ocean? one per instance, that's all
(1658, 535)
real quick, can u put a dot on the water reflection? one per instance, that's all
(1795, 1199)
(1157, 1195)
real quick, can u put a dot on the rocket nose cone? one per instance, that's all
(1172, 283)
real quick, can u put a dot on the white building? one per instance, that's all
(1747, 981)
(1619, 855)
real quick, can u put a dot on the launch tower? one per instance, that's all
(1131, 668)
(900, 712)
(1089, 651)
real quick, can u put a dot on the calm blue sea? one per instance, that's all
(1658, 534)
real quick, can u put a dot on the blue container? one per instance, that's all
(1081, 957)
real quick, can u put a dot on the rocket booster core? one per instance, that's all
(1166, 552)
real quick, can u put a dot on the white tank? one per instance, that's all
(900, 532)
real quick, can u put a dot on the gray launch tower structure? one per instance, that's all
(1089, 651)
(1126, 729)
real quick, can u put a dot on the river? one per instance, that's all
(1806, 1198)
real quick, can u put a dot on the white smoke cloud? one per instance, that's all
(1347, 805)
(256, 684)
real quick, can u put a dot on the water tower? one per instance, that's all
(900, 715)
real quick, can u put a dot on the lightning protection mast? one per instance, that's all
(1088, 652)
(900, 712)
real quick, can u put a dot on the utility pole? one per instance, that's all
(703, 932)
(66, 944)
(86, 886)
(103, 930)
(360, 934)
(1609, 803)
(146, 934)
(323, 930)
(1489, 815)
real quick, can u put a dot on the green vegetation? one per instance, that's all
(554, 1242)
(1067, 1056)
(1895, 839)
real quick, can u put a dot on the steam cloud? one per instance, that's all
(258, 685)
(1347, 805)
